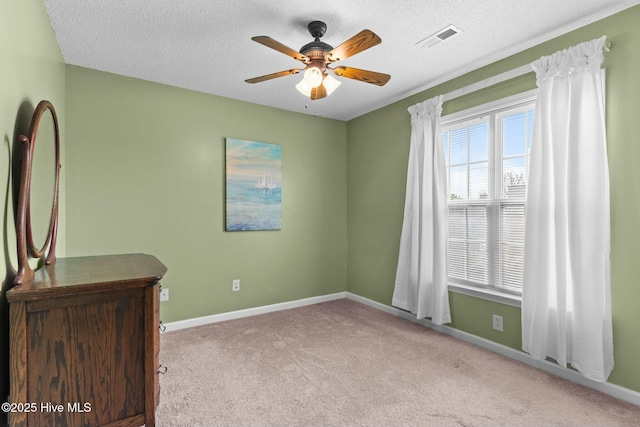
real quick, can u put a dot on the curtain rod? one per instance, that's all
(516, 72)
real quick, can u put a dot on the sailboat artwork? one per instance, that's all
(253, 186)
(267, 182)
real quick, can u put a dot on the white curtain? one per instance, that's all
(566, 307)
(421, 277)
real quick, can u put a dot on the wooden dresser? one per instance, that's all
(84, 340)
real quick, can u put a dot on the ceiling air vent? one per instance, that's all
(439, 36)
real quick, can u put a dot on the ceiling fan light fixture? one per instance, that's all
(304, 88)
(330, 84)
(313, 76)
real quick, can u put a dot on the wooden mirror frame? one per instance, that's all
(26, 245)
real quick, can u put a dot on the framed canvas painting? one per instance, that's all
(253, 186)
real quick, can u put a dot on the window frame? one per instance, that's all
(490, 111)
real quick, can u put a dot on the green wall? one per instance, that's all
(145, 173)
(377, 154)
(32, 69)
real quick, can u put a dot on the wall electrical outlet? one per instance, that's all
(236, 285)
(164, 294)
(497, 323)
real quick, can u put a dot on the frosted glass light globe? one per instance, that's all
(313, 76)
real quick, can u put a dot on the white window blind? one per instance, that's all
(486, 154)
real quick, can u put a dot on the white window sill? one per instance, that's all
(487, 294)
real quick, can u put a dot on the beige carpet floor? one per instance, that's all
(342, 363)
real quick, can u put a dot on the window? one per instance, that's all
(487, 153)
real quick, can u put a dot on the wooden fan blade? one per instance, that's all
(274, 44)
(318, 92)
(372, 77)
(273, 75)
(356, 44)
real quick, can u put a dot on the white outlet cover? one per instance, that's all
(497, 323)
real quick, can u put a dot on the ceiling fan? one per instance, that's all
(319, 58)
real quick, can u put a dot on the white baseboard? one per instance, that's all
(552, 368)
(214, 318)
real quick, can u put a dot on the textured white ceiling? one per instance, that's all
(205, 45)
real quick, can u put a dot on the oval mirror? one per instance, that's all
(42, 209)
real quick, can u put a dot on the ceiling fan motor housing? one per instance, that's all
(317, 30)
